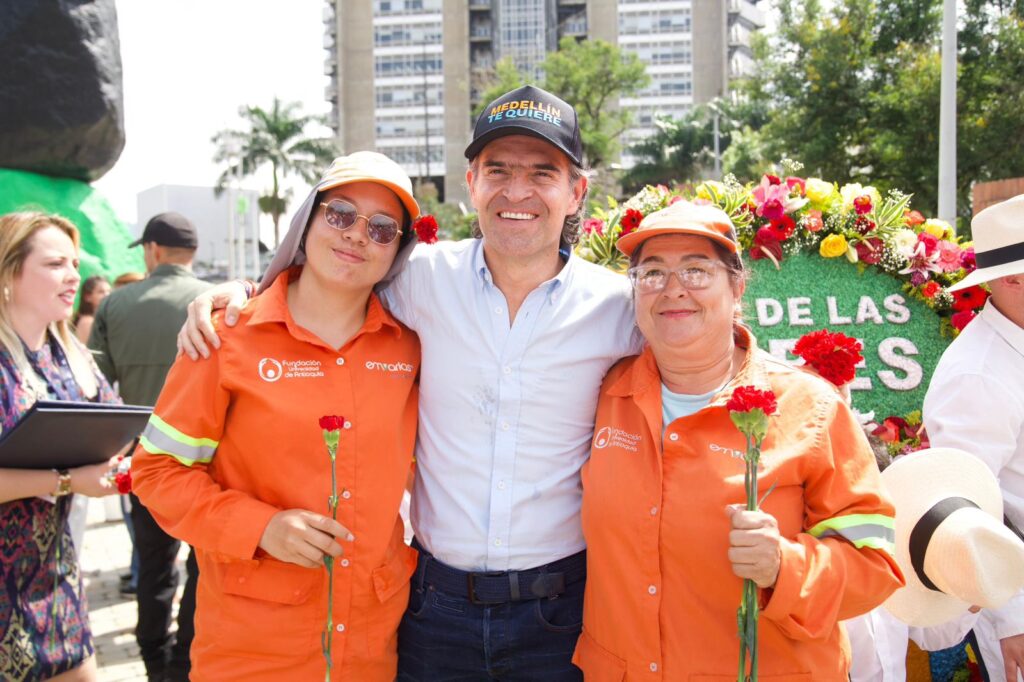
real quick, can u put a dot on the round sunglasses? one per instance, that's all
(341, 215)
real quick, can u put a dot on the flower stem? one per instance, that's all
(332, 503)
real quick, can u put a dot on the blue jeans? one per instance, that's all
(445, 637)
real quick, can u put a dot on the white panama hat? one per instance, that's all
(998, 242)
(951, 543)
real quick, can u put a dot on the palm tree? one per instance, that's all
(277, 137)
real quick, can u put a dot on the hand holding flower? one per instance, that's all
(302, 537)
(754, 545)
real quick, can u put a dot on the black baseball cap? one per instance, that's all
(169, 229)
(532, 111)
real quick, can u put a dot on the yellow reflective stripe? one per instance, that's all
(177, 435)
(876, 531)
(842, 522)
(152, 449)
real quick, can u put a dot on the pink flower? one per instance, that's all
(921, 263)
(949, 256)
(813, 221)
(773, 200)
(967, 259)
(593, 226)
(797, 185)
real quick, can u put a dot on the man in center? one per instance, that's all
(517, 334)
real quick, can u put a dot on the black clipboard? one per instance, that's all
(57, 434)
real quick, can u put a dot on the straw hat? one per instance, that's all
(345, 170)
(998, 242)
(951, 543)
(683, 217)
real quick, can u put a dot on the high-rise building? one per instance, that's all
(406, 73)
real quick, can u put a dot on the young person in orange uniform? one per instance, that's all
(233, 460)
(668, 541)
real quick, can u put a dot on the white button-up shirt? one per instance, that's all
(506, 411)
(975, 402)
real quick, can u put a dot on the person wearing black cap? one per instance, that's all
(133, 340)
(517, 334)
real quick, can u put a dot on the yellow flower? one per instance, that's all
(711, 190)
(819, 191)
(833, 246)
(938, 228)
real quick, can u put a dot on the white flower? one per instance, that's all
(904, 242)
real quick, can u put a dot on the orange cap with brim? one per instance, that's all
(371, 167)
(683, 217)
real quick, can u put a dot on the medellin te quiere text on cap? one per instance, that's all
(526, 108)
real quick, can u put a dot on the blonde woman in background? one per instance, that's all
(44, 627)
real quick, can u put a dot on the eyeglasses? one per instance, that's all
(693, 275)
(342, 215)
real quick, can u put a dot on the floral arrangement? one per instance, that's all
(749, 409)
(786, 214)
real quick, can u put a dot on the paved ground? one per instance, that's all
(107, 552)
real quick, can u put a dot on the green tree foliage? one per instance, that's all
(591, 75)
(276, 137)
(852, 89)
(683, 150)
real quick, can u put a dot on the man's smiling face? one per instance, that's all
(522, 189)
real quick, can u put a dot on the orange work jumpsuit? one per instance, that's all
(235, 439)
(661, 596)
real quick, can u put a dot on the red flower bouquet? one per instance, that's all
(833, 355)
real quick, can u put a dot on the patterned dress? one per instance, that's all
(43, 631)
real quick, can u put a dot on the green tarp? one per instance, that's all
(105, 237)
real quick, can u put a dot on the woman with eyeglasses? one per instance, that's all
(234, 460)
(668, 538)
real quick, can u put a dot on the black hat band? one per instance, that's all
(1000, 256)
(926, 527)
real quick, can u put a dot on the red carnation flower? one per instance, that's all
(930, 289)
(630, 221)
(123, 481)
(833, 355)
(913, 218)
(970, 298)
(783, 227)
(426, 229)
(773, 179)
(869, 250)
(748, 399)
(862, 204)
(331, 423)
(962, 319)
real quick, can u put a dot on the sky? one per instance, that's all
(188, 66)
